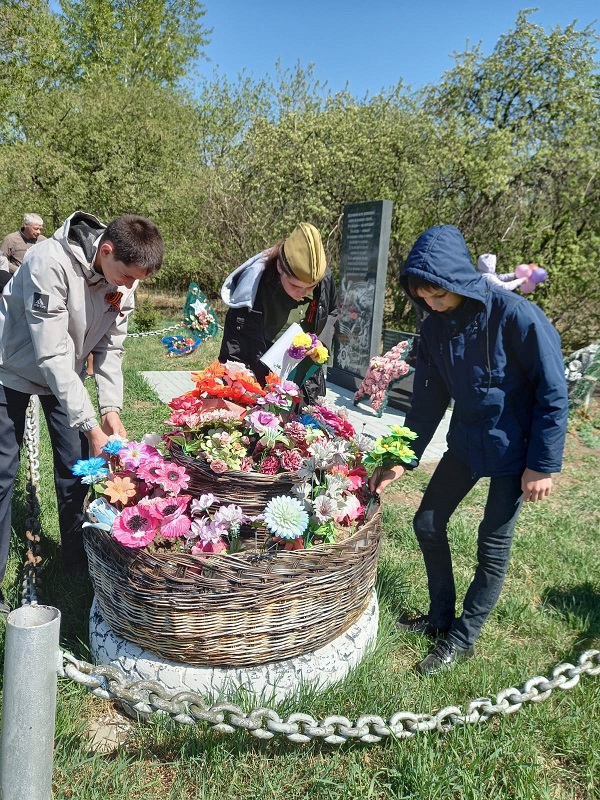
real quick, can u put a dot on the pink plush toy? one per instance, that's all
(525, 277)
(381, 372)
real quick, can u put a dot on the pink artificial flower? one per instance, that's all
(218, 466)
(135, 526)
(269, 465)
(170, 513)
(291, 460)
(208, 548)
(185, 402)
(263, 421)
(351, 510)
(172, 477)
(134, 453)
(340, 426)
(246, 464)
(149, 471)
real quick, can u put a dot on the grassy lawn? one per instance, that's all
(549, 613)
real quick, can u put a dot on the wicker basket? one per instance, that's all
(234, 610)
(249, 490)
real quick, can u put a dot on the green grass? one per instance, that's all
(549, 612)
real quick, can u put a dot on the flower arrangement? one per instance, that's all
(231, 423)
(389, 451)
(382, 370)
(303, 343)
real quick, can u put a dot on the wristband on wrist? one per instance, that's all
(88, 424)
(107, 409)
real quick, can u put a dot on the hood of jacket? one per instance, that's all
(240, 287)
(440, 256)
(79, 235)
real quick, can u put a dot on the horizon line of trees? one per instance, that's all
(100, 110)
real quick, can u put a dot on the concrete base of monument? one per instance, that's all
(264, 683)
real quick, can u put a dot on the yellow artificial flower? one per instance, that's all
(302, 340)
(321, 354)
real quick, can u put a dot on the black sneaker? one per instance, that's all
(421, 626)
(444, 655)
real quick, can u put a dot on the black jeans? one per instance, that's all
(68, 446)
(449, 484)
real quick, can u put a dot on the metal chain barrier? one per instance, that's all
(146, 697)
(31, 584)
(141, 334)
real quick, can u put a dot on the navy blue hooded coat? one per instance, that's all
(497, 356)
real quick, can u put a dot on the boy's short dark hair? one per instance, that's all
(413, 283)
(137, 241)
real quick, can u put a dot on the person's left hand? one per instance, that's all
(535, 485)
(112, 424)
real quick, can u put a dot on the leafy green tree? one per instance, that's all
(158, 40)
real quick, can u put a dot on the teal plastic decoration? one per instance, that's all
(198, 317)
(198, 314)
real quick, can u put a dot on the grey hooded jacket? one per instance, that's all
(54, 313)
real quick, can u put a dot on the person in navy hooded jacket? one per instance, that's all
(498, 357)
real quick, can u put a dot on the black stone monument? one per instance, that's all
(363, 271)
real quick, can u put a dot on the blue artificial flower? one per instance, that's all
(309, 422)
(113, 447)
(285, 517)
(89, 466)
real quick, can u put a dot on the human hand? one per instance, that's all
(97, 440)
(318, 352)
(113, 425)
(381, 479)
(535, 485)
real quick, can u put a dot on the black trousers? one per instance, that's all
(68, 446)
(449, 484)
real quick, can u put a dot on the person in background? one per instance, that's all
(72, 296)
(497, 355)
(289, 282)
(15, 245)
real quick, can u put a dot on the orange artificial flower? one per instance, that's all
(120, 490)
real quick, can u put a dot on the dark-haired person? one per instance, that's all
(497, 355)
(70, 298)
(290, 282)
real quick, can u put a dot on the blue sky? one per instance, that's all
(370, 45)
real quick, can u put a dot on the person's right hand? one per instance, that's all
(97, 439)
(381, 480)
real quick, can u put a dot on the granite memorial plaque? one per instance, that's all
(363, 271)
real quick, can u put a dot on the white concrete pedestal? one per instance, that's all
(265, 683)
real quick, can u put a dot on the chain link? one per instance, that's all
(31, 584)
(141, 334)
(188, 708)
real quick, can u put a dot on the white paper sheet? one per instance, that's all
(276, 359)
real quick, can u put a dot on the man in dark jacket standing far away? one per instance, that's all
(497, 355)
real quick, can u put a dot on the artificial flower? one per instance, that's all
(170, 512)
(285, 517)
(172, 477)
(120, 490)
(90, 467)
(135, 526)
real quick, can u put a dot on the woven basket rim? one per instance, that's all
(258, 477)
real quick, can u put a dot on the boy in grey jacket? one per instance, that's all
(71, 297)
